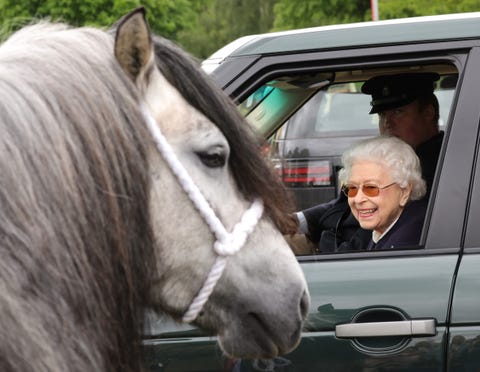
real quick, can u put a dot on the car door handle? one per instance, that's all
(417, 327)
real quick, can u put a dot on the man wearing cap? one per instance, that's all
(407, 109)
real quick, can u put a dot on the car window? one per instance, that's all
(305, 142)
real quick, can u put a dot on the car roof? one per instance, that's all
(374, 33)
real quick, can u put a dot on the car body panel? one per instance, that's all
(464, 348)
(183, 354)
(466, 308)
(340, 289)
(464, 331)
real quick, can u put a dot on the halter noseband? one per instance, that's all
(226, 243)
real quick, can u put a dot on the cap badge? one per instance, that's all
(385, 91)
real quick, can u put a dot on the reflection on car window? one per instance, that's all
(444, 97)
(341, 107)
(254, 99)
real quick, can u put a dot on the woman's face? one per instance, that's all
(376, 212)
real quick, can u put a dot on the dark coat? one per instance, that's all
(406, 231)
(428, 153)
(331, 225)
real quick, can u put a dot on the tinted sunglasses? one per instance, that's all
(369, 190)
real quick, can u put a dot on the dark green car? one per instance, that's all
(415, 309)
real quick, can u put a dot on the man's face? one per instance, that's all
(408, 123)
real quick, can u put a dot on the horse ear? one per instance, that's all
(133, 43)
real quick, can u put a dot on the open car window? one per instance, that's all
(309, 126)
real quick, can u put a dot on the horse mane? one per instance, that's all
(75, 236)
(199, 90)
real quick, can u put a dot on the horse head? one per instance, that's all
(95, 223)
(260, 300)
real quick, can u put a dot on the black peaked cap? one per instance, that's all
(392, 91)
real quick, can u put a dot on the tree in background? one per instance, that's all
(200, 26)
(222, 21)
(291, 14)
(415, 8)
(166, 17)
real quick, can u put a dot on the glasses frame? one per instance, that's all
(374, 191)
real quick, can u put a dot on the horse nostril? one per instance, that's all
(304, 304)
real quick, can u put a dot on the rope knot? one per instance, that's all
(230, 244)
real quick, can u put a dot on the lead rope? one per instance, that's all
(226, 243)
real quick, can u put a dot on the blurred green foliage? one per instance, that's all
(291, 14)
(166, 17)
(203, 26)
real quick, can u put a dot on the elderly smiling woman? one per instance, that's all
(382, 179)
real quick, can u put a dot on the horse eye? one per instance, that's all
(215, 159)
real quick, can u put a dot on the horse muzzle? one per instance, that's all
(266, 332)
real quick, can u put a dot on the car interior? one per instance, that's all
(309, 119)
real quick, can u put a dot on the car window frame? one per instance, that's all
(447, 52)
(472, 233)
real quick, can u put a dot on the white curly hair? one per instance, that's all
(396, 155)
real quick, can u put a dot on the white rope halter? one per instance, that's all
(226, 243)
